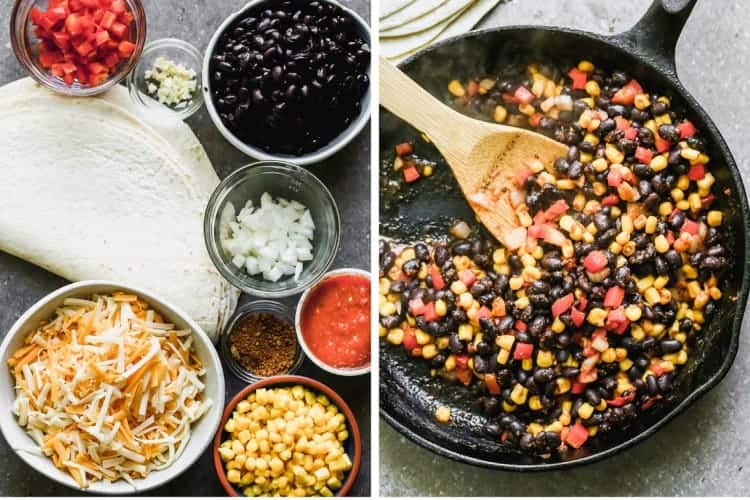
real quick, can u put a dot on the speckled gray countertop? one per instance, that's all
(347, 174)
(706, 450)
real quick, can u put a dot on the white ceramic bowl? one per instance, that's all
(344, 138)
(202, 433)
(346, 372)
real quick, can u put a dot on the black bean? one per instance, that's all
(422, 252)
(670, 346)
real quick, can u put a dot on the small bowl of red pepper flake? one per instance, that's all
(260, 341)
(78, 47)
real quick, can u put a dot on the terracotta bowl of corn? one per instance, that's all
(287, 436)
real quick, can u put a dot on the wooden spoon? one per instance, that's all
(483, 156)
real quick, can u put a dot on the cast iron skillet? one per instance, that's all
(408, 394)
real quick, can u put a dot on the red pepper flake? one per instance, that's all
(579, 78)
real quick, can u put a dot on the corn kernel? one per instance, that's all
(658, 163)
(714, 218)
(562, 385)
(518, 394)
(535, 403)
(597, 316)
(592, 88)
(395, 336)
(456, 88)
(633, 312)
(585, 411)
(545, 359)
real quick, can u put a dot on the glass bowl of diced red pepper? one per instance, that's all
(78, 47)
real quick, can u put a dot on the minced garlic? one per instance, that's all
(171, 83)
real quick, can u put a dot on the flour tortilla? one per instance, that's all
(427, 21)
(410, 13)
(390, 7)
(89, 191)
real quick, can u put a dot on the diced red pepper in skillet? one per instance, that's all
(689, 226)
(535, 119)
(650, 402)
(595, 261)
(490, 381)
(556, 210)
(621, 400)
(410, 341)
(631, 133)
(429, 312)
(520, 326)
(437, 279)
(467, 276)
(483, 312)
(626, 94)
(523, 350)
(523, 95)
(686, 128)
(614, 178)
(577, 435)
(561, 305)
(579, 78)
(404, 149)
(462, 360)
(611, 199)
(622, 123)
(614, 296)
(662, 145)
(411, 174)
(696, 172)
(617, 322)
(464, 375)
(416, 307)
(577, 317)
(643, 155)
(577, 387)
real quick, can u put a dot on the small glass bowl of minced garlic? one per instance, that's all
(167, 79)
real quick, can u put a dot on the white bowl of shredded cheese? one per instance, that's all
(133, 391)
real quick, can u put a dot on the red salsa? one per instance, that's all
(336, 321)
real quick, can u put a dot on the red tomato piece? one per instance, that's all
(643, 155)
(626, 94)
(614, 296)
(577, 387)
(523, 350)
(90, 4)
(404, 149)
(537, 231)
(622, 123)
(520, 326)
(438, 283)
(84, 48)
(686, 128)
(577, 435)
(561, 305)
(483, 312)
(579, 78)
(524, 95)
(462, 361)
(556, 210)
(118, 6)
(595, 261)
(101, 37)
(696, 172)
(73, 24)
(111, 60)
(411, 174)
(467, 276)
(611, 199)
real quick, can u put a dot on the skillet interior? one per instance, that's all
(408, 394)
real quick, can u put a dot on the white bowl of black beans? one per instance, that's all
(289, 79)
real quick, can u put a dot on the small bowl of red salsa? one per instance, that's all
(333, 322)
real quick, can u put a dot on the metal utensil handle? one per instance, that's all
(654, 37)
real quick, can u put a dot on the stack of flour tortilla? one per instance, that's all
(90, 191)
(406, 26)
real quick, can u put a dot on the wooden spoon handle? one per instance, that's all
(403, 97)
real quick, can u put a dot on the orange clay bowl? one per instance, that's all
(353, 445)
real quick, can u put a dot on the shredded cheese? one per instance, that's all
(107, 389)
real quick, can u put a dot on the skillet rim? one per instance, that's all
(619, 43)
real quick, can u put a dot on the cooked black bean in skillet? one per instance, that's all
(289, 76)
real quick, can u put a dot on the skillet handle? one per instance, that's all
(654, 37)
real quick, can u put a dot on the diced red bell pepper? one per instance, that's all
(670, 237)
(626, 94)
(614, 178)
(686, 128)
(577, 387)
(535, 119)
(556, 210)
(467, 276)
(411, 174)
(483, 312)
(96, 68)
(429, 312)
(617, 322)
(656, 368)
(416, 307)
(610, 199)
(118, 6)
(588, 376)
(73, 24)
(537, 231)
(523, 95)
(90, 4)
(438, 283)
(579, 78)
(696, 172)
(622, 123)
(523, 350)
(595, 261)
(462, 361)
(621, 400)
(36, 15)
(520, 326)
(689, 226)
(410, 341)
(84, 48)
(662, 145)
(583, 302)
(490, 381)
(561, 305)
(101, 37)
(108, 19)
(707, 200)
(577, 317)
(47, 59)
(631, 133)
(522, 173)
(56, 14)
(650, 402)
(472, 88)
(119, 31)
(404, 149)
(577, 435)
(643, 155)
(614, 296)
(464, 375)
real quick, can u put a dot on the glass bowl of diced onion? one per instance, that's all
(296, 229)
(166, 81)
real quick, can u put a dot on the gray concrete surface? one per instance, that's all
(347, 174)
(705, 451)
